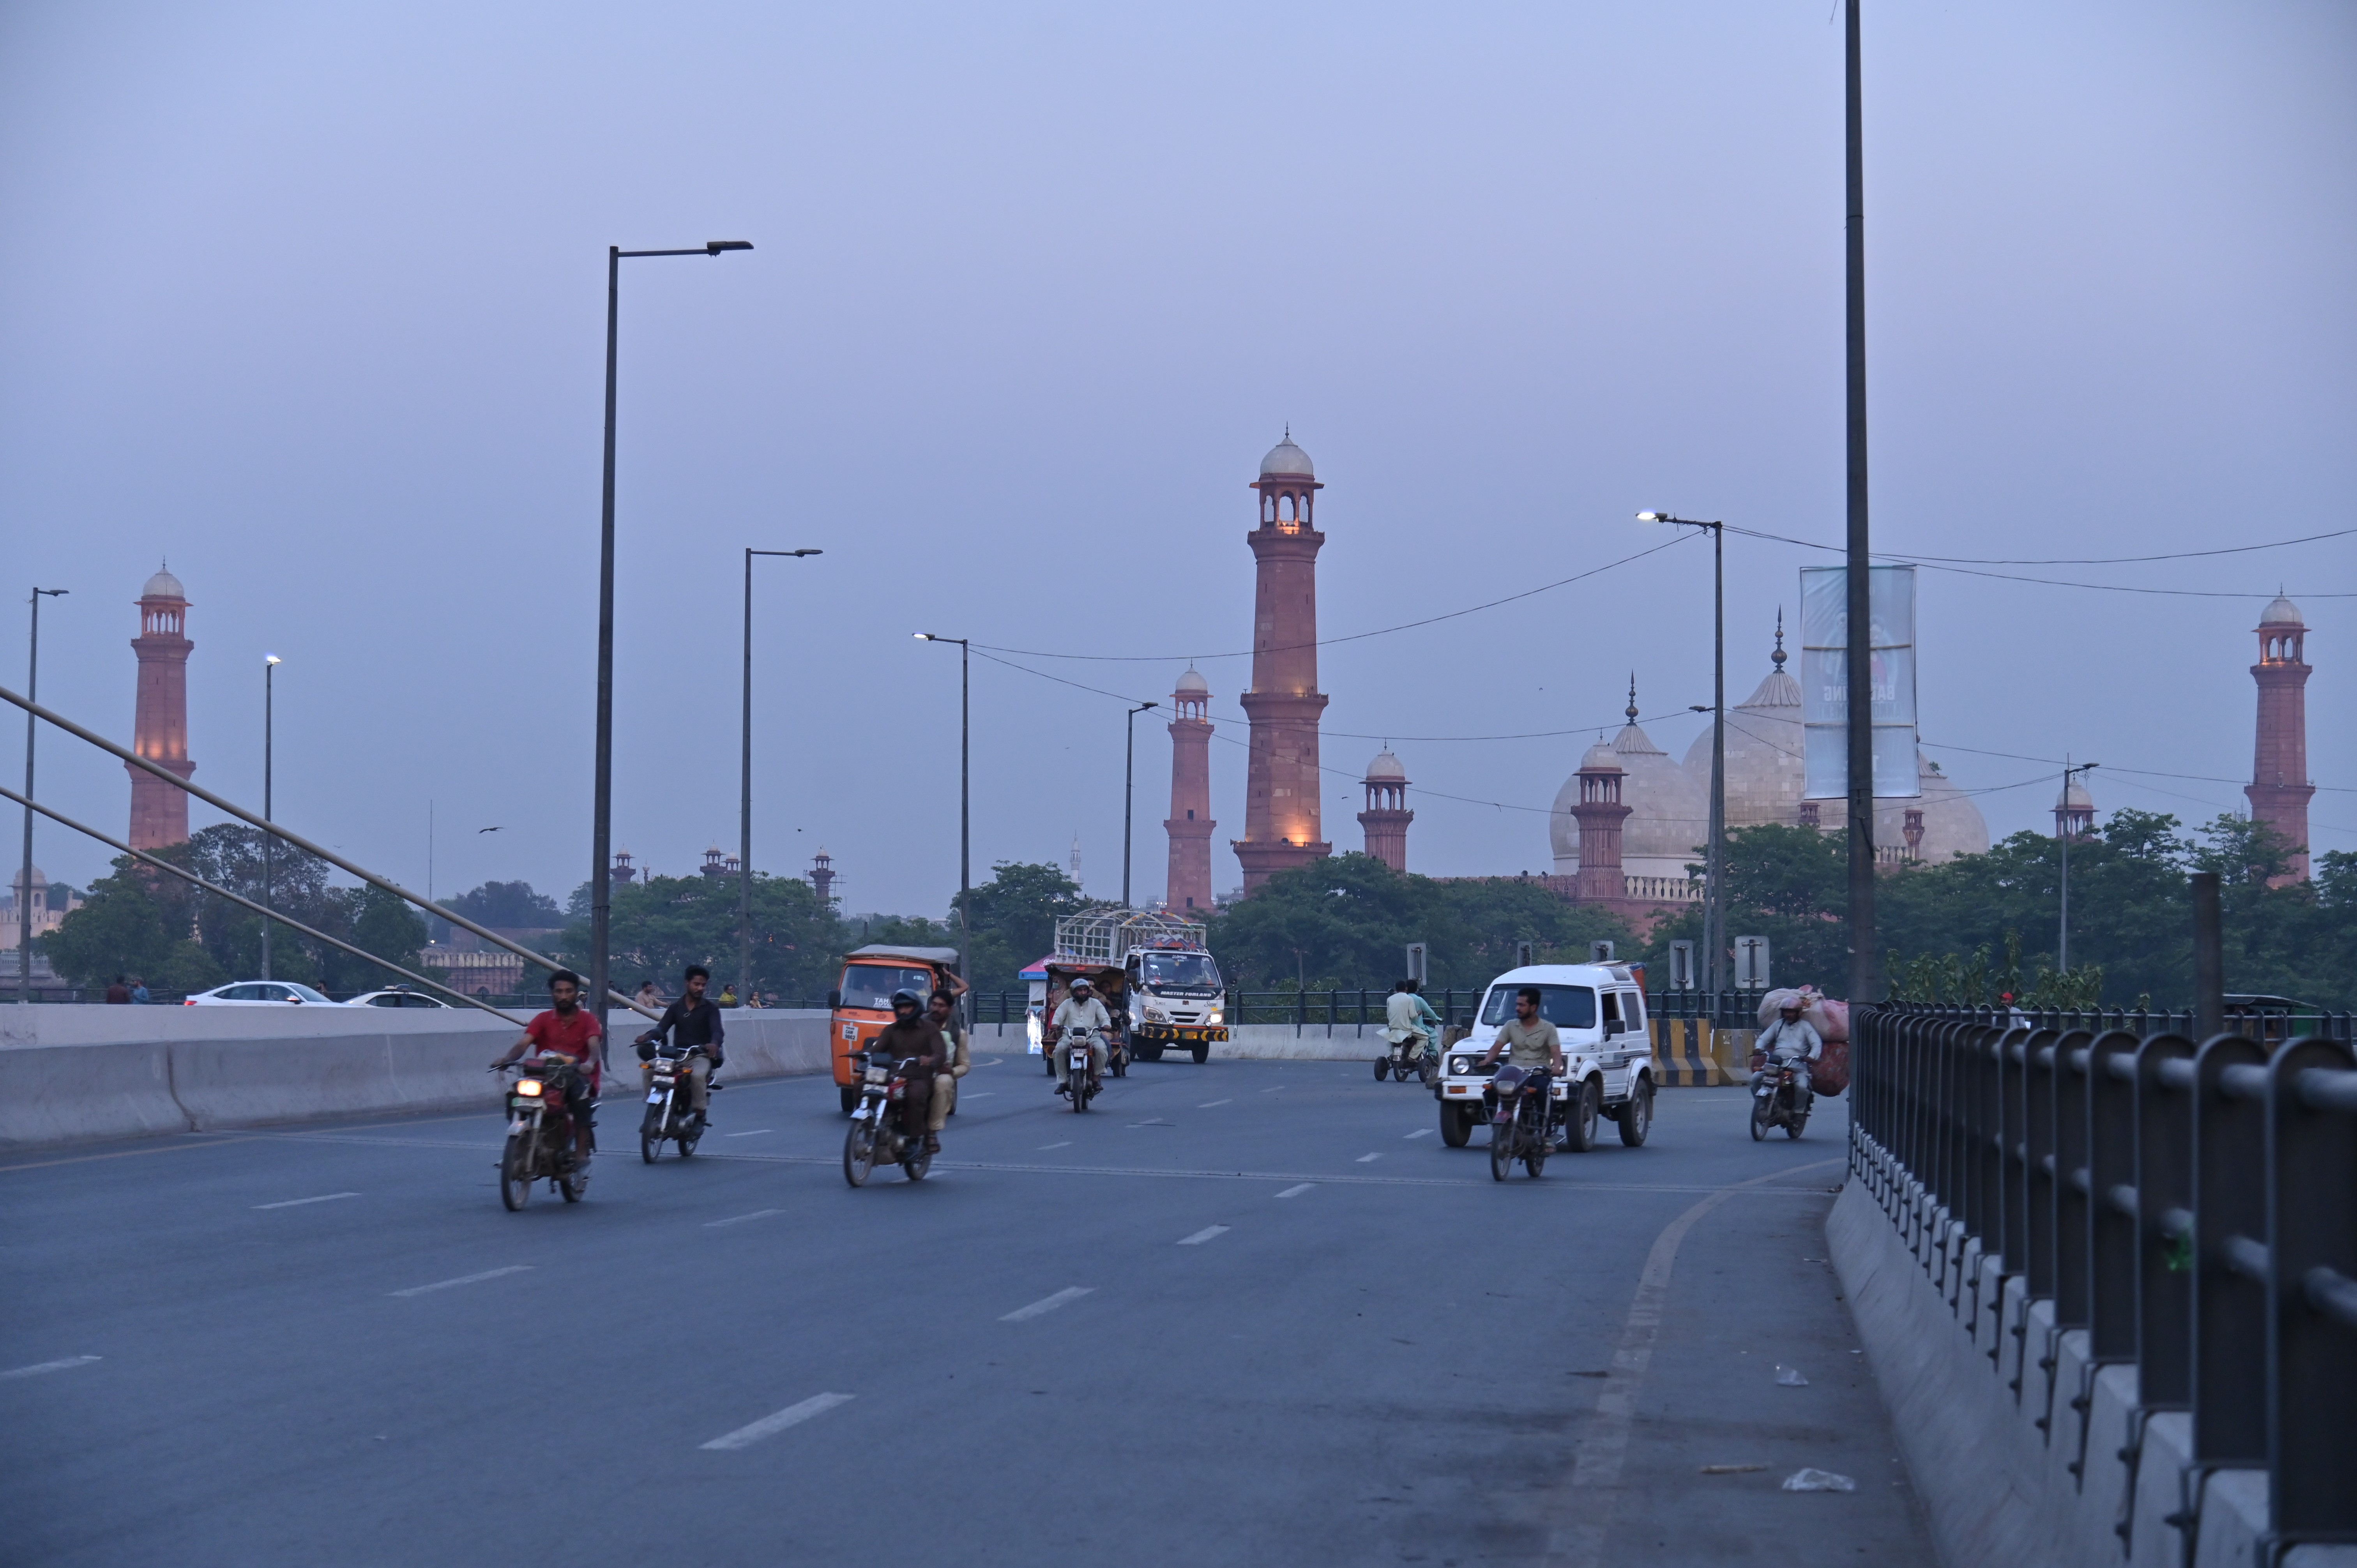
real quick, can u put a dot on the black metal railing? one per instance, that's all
(2191, 1206)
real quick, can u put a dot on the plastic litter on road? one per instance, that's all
(1808, 1479)
(1790, 1378)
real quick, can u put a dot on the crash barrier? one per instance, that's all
(1683, 1054)
(70, 1075)
(2146, 1249)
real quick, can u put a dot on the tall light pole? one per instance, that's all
(2070, 825)
(601, 810)
(745, 804)
(24, 888)
(965, 777)
(269, 694)
(1129, 791)
(1714, 892)
(1865, 953)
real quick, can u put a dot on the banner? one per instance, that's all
(1825, 680)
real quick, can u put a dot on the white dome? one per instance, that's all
(1192, 684)
(1385, 768)
(1599, 756)
(163, 586)
(1669, 814)
(1285, 460)
(2074, 797)
(2283, 612)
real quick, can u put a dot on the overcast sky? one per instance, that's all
(308, 299)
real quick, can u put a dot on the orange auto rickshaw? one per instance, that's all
(861, 1005)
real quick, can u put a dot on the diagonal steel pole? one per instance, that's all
(299, 840)
(186, 876)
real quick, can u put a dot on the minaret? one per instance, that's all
(2074, 812)
(821, 877)
(1189, 823)
(1281, 796)
(1600, 814)
(2279, 789)
(159, 729)
(1386, 817)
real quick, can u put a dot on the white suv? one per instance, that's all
(1598, 1009)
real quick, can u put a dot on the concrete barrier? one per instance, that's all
(2018, 1456)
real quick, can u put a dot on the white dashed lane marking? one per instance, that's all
(1065, 1145)
(1208, 1233)
(38, 1368)
(299, 1202)
(464, 1280)
(740, 1218)
(1209, 1104)
(1064, 1297)
(1296, 1191)
(1421, 1132)
(770, 1425)
(754, 1134)
(1369, 1159)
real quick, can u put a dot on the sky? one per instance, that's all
(308, 300)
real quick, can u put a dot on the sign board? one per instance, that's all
(1751, 963)
(1523, 957)
(1416, 969)
(1825, 682)
(1600, 952)
(1682, 966)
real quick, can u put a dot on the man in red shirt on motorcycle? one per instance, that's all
(567, 1035)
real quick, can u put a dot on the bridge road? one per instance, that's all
(1246, 1312)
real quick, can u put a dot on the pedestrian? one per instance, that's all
(728, 996)
(139, 990)
(648, 995)
(118, 993)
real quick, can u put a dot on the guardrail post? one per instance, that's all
(2312, 1290)
(2163, 1192)
(2230, 1268)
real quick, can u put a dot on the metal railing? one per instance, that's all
(2191, 1206)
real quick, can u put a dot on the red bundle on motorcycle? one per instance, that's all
(1831, 1020)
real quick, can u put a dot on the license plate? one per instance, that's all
(656, 1098)
(876, 1075)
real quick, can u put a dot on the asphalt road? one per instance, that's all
(1248, 1313)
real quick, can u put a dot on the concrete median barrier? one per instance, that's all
(70, 1095)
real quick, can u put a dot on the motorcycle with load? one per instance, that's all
(879, 1131)
(1775, 1095)
(543, 1104)
(1520, 1103)
(667, 1117)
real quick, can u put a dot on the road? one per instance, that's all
(1247, 1313)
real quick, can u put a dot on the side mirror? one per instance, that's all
(1615, 1026)
(834, 1000)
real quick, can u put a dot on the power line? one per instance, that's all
(1939, 563)
(2065, 560)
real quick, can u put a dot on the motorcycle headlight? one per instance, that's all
(528, 1085)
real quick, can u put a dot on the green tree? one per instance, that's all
(1012, 918)
(660, 926)
(121, 928)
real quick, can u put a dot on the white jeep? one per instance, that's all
(1598, 1009)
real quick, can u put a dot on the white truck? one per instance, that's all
(1152, 971)
(1598, 1009)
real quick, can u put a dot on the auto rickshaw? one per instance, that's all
(1112, 987)
(861, 1005)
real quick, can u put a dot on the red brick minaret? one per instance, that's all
(1281, 822)
(1189, 823)
(159, 731)
(1601, 814)
(1386, 817)
(2279, 789)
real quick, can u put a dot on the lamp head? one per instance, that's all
(714, 247)
(925, 636)
(269, 658)
(1652, 517)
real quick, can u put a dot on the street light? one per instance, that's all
(269, 840)
(2070, 827)
(1129, 791)
(745, 805)
(965, 836)
(1714, 908)
(601, 829)
(24, 888)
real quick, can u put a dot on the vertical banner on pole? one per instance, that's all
(1825, 684)
(1416, 969)
(1682, 966)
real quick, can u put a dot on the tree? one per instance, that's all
(1012, 920)
(660, 926)
(381, 924)
(509, 904)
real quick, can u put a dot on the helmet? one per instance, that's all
(905, 994)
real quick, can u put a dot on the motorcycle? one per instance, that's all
(1396, 1062)
(1522, 1107)
(1774, 1088)
(1080, 1083)
(667, 1117)
(542, 1106)
(880, 1129)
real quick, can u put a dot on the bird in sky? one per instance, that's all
(489, 830)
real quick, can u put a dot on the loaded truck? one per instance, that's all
(1156, 976)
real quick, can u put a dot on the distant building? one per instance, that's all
(2074, 811)
(160, 726)
(1282, 789)
(821, 877)
(1190, 824)
(474, 966)
(1386, 817)
(45, 917)
(2279, 788)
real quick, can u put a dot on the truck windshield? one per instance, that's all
(1188, 969)
(872, 985)
(1565, 1006)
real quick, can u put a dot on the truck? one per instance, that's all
(1156, 977)
(1598, 1009)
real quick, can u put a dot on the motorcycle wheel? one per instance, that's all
(1383, 1068)
(516, 1172)
(850, 1098)
(1501, 1149)
(1120, 1063)
(1792, 1128)
(651, 1138)
(1425, 1071)
(573, 1186)
(1761, 1110)
(858, 1153)
(1080, 1091)
(916, 1162)
(1535, 1156)
(1637, 1116)
(1584, 1110)
(687, 1142)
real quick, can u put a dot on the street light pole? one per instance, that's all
(601, 810)
(269, 840)
(1713, 907)
(2069, 823)
(1129, 792)
(965, 795)
(745, 804)
(24, 888)
(1857, 663)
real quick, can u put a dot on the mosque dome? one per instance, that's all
(1285, 460)
(1386, 768)
(1953, 825)
(1598, 758)
(164, 586)
(2074, 798)
(2283, 612)
(1192, 684)
(1766, 774)
(1669, 814)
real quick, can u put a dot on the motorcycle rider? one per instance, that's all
(1430, 1014)
(1795, 1039)
(911, 1034)
(1081, 1010)
(568, 1035)
(943, 1010)
(1404, 1021)
(690, 1022)
(1531, 1043)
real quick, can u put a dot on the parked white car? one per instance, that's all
(259, 994)
(395, 997)
(1598, 1009)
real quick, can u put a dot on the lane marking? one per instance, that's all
(1047, 1304)
(740, 1218)
(464, 1280)
(1421, 1132)
(299, 1202)
(1273, 1090)
(984, 1095)
(1065, 1145)
(38, 1368)
(769, 1425)
(1157, 1121)
(754, 1134)
(1209, 1104)
(1296, 1191)
(1603, 1445)
(1367, 1159)
(1208, 1233)
(131, 1153)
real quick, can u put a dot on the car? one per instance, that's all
(397, 996)
(1600, 1011)
(259, 994)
